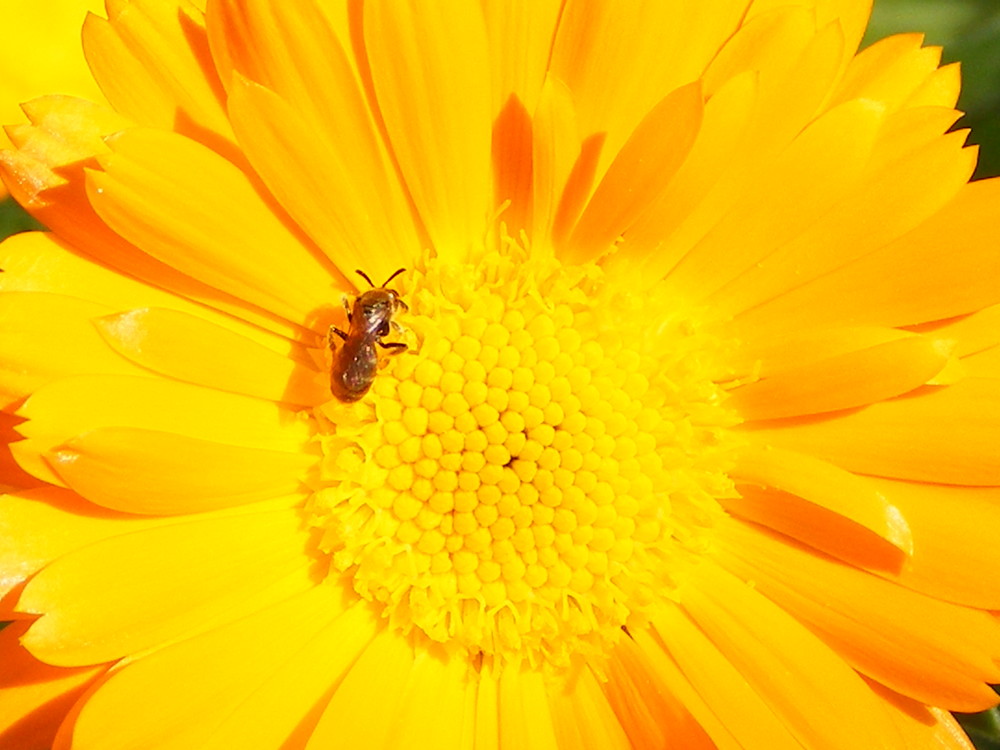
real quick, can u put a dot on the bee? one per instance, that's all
(355, 361)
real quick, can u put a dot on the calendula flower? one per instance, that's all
(685, 431)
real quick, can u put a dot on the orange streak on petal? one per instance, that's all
(555, 145)
(129, 593)
(147, 471)
(583, 717)
(826, 486)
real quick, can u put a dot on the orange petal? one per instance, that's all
(955, 555)
(52, 337)
(195, 211)
(344, 200)
(945, 435)
(143, 590)
(148, 471)
(215, 674)
(890, 70)
(34, 697)
(825, 486)
(555, 149)
(194, 350)
(858, 378)
(945, 267)
(938, 653)
(392, 695)
(639, 174)
(151, 61)
(431, 74)
(789, 668)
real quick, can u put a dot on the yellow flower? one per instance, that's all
(688, 439)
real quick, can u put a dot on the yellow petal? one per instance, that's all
(151, 60)
(945, 267)
(524, 716)
(75, 405)
(555, 148)
(938, 653)
(393, 697)
(583, 716)
(147, 471)
(520, 39)
(52, 337)
(194, 350)
(34, 697)
(195, 211)
(945, 435)
(39, 525)
(203, 680)
(686, 663)
(37, 262)
(890, 70)
(791, 669)
(129, 593)
(890, 200)
(787, 199)
(845, 381)
(431, 75)
(331, 188)
(824, 485)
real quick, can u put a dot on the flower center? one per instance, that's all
(541, 463)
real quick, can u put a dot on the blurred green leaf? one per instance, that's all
(14, 219)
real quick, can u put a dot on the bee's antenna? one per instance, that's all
(364, 276)
(394, 275)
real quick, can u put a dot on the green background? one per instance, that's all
(969, 31)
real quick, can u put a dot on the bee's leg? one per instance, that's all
(334, 330)
(347, 306)
(395, 345)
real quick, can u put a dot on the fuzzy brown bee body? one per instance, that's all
(355, 360)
